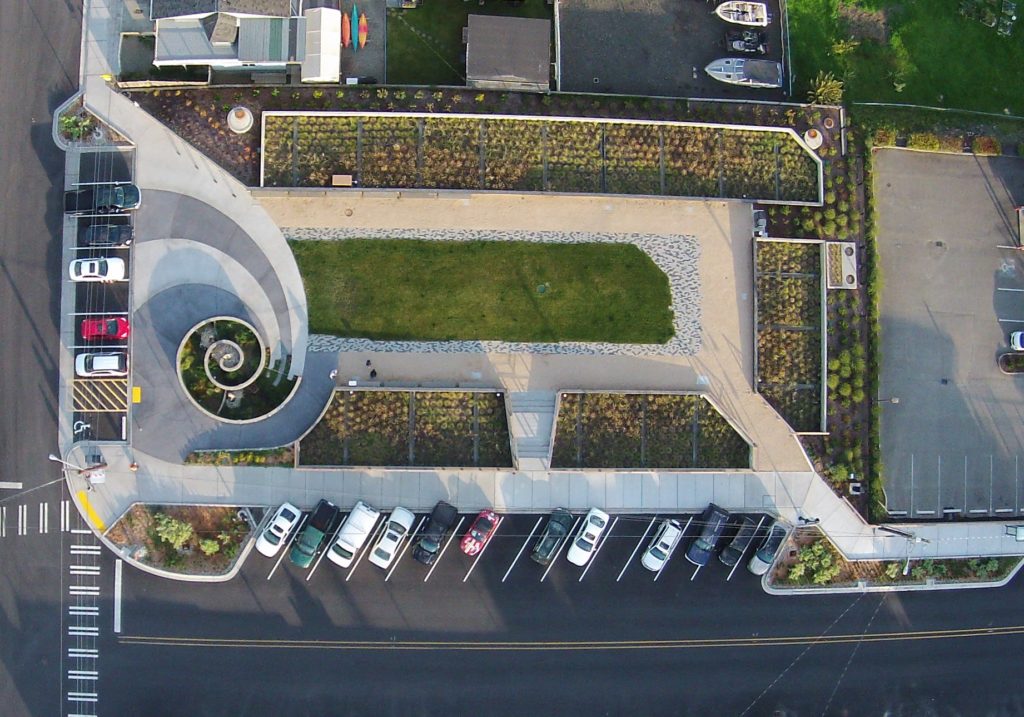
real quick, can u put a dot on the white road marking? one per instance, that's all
(521, 549)
(479, 555)
(118, 568)
(366, 548)
(1012, 321)
(287, 544)
(84, 569)
(83, 652)
(640, 542)
(1006, 288)
(672, 550)
(82, 697)
(695, 573)
(65, 515)
(83, 630)
(408, 540)
(86, 550)
(83, 675)
(558, 552)
(22, 519)
(81, 531)
(44, 517)
(92, 610)
(604, 539)
(444, 549)
(3, 522)
(84, 589)
(10, 485)
(329, 544)
(740, 560)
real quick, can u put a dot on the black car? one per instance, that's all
(555, 533)
(732, 552)
(102, 199)
(108, 235)
(702, 548)
(747, 41)
(429, 544)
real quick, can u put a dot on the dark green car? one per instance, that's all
(307, 545)
(555, 533)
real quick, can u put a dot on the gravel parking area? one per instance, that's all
(651, 47)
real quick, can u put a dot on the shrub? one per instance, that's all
(172, 531)
(892, 571)
(825, 90)
(885, 136)
(985, 145)
(209, 546)
(951, 143)
(816, 563)
(924, 140)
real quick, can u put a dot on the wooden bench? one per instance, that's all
(341, 180)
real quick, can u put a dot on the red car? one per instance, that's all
(106, 327)
(480, 532)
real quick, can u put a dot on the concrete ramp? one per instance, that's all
(531, 423)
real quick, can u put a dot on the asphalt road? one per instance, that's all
(39, 49)
(599, 645)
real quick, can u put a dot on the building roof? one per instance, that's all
(221, 28)
(194, 8)
(260, 40)
(510, 51)
(322, 60)
(186, 41)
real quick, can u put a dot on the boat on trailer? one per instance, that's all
(746, 72)
(740, 12)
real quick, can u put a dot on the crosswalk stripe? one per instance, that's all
(85, 570)
(84, 652)
(82, 697)
(86, 550)
(84, 590)
(83, 610)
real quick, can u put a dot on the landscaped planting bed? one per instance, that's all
(406, 428)
(644, 431)
(557, 156)
(484, 290)
(789, 331)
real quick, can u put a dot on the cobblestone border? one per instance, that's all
(677, 255)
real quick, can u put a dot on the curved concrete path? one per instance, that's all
(166, 424)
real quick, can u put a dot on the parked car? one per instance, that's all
(1017, 340)
(280, 526)
(662, 545)
(551, 539)
(107, 268)
(765, 554)
(587, 536)
(102, 199)
(99, 365)
(733, 552)
(479, 532)
(399, 524)
(320, 523)
(441, 520)
(713, 522)
(353, 533)
(106, 327)
(108, 235)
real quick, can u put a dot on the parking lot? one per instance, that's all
(100, 403)
(653, 47)
(952, 422)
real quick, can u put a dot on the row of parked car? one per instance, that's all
(359, 524)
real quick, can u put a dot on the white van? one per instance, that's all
(353, 533)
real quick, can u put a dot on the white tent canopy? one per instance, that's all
(322, 62)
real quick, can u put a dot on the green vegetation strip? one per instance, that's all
(511, 291)
(406, 428)
(609, 430)
(459, 152)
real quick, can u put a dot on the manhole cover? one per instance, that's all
(543, 288)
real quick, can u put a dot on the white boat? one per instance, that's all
(739, 12)
(745, 71)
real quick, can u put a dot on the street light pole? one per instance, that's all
(81, 470)
(894, 400)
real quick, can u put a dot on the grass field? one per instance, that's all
(512, 291)
(425, 43)
(933, 55)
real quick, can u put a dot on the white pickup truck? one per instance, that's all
(352, 534)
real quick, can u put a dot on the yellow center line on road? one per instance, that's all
(583, 645)
(91, 512)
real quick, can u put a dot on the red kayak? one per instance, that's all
(346, 30)
(364, 30)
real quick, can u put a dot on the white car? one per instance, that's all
(284, 520)
(101, 364)
(662, 545)
(590, 531)
(399, 526)
(107, 268)
(1017, 340)
(352, 534)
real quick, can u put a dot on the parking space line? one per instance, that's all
(408, 540)
(636, 548)
(1012, 321)
(329, 544)
(501, 519)
(522, 548)
(695, 572)
(118, 567)
(3, 522)
(444, 549)
(1007, 288)
(743, 554)
(604, 539)
(287, 545)
(44, 517)
(672, 550)
(366, 547)
(558, 552)
(65, 515)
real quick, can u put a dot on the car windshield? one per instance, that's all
(382, 554)
(429, 545)
(483, 527)
(703, 544)
(343, 552)
(112, 326)
(583, 544)
(597, 521)
(99, 266)
(272, 537)
(288, 515)
(658, 553)
(397, 529)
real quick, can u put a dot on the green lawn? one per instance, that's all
(512, 291)
(425, 44)
(940, 57)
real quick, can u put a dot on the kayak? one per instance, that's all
(364, 30)
(346, 30)
(355, 24)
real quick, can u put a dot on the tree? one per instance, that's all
(825, 90)
(172, 531)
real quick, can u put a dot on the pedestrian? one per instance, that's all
(334, 374)
(373, 373)
(367, 362)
